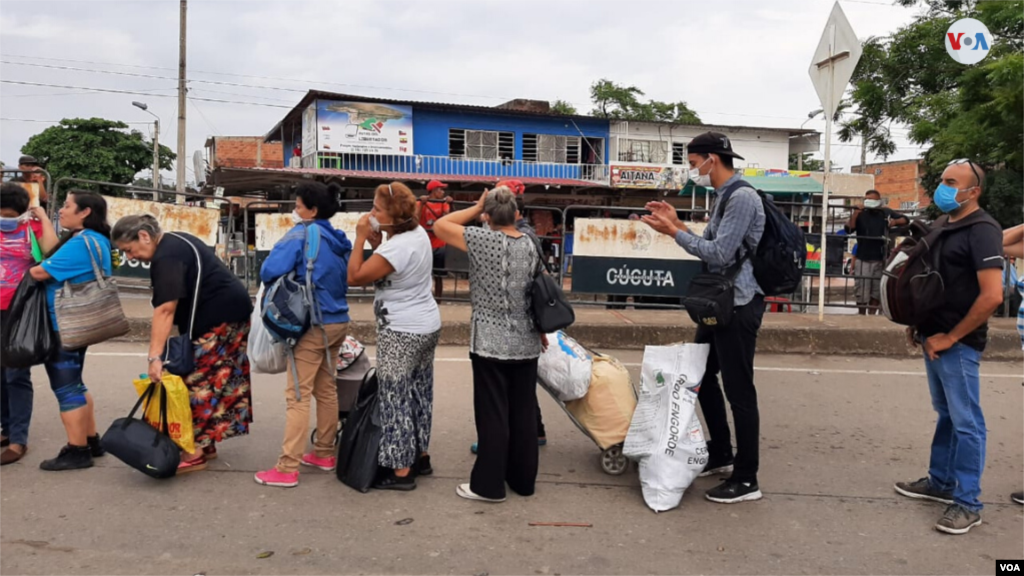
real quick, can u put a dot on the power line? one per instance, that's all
(54, 121)
(209, 123)
(113, 91)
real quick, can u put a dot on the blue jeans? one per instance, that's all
(15, 404)
(958, 448)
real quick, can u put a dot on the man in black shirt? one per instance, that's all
(971, 263)
(871, 224)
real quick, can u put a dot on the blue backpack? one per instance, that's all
(290, 307)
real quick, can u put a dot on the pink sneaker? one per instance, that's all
(273, 477)
(326, 464)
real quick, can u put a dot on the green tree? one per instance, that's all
(618, 102)
(958, 111)
(94, 149)
(810, 164)
(564, 108)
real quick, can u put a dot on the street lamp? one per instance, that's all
(810, 116)
(156, 145)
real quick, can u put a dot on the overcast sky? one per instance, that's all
(738, 62)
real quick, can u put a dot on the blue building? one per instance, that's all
(359, 138)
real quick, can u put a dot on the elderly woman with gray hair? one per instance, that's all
(504, 344)
(194, 290)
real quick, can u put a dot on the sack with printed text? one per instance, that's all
(665, 436)
(565, 367)
(179, 410)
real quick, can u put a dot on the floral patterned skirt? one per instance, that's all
(220, 388)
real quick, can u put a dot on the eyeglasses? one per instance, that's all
(970, 163)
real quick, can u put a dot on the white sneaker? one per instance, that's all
(464, 492)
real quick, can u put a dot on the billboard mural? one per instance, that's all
(363, 128)
(647, 177)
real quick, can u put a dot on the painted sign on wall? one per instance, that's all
(363, 128)
(203, 223)
(647, 177)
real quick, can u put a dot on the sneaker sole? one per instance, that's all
(716, 471)
(324, 468)
(957, 531)
(276, 484)
(917, 496)
(1021, 502)
(745, 498)
(476, 498)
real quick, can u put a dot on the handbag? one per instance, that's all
(551, 310)
(138, 444)
(89, 312)
(360, 439)
(27, 337)
(179, 353)
(710, 299)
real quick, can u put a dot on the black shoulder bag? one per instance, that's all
(180, 354)
(551, 310)
(710, 299)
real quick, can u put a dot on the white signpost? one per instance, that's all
(831, 68)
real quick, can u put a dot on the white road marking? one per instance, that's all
(811, 371)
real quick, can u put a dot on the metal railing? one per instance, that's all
(410, 165)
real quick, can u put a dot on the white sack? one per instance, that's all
(565, 367)
(265, 355)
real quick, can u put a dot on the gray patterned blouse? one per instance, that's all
(501, 270)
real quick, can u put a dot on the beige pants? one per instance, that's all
(316, 368)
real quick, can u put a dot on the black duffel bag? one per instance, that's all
(360, 440)
(141, 446)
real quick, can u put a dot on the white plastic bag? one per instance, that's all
(665, 435)
(265, 355)
(565, 367)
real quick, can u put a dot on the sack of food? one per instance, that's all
(565, 367)
(607, 408)
(665, 435)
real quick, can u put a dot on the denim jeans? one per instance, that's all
(958, 447)
(15, 404)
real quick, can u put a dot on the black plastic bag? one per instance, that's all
(141, 446)
(360, 441)
(28, 337)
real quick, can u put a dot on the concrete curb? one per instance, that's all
(773, 339)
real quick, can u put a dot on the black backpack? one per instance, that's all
(781, 255)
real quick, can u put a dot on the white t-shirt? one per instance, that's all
(403, 300)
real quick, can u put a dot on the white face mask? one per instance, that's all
(374, 224)
(701, 179)
(872, 203)
(296, 219)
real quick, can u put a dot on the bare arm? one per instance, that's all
(365, 273)
(851, 224)
(49, 238)
(990, 281)
(39, 273)
(452, 227)
(1013, 241)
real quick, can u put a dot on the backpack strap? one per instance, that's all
(312, 250)
(733, 270)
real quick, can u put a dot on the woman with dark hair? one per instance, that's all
(315, 354)
(18, 225)
(84, 218)
(408, 328)
(219, 387)
(503, 344)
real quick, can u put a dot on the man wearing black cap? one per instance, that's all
(730, 237)
(31, 173)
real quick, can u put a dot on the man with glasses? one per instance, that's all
(971, 265)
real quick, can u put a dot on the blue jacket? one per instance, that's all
(330, 272)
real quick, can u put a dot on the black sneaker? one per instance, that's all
(95, 448)
(958, 520)
(422, 466)
(387, 480)
(70, 458)
(733, 491)
(717, 467)
(922, 490)
(1017, 497)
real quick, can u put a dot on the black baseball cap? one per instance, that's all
(712, 143)
(28, 161)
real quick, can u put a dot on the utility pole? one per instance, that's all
(156, 147)
(863, 152)
(181, 104)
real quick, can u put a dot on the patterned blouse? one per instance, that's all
(501, 270)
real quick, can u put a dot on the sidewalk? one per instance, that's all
(599, 328)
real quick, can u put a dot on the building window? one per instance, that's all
(647, 151)
(481, 145)
(910, 205)
(551, 149)
(679, 153)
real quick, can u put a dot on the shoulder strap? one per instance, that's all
(733, 270)
(199, 278)
(727, 193)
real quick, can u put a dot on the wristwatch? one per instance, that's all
(151, 359)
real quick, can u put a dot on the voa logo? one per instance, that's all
(968, 41)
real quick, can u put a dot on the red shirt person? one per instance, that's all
(430, 209)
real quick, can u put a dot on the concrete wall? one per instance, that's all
(898, 182)
(847, 184)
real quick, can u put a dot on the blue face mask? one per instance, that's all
(945, 198)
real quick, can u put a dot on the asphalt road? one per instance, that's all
(837, 433)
